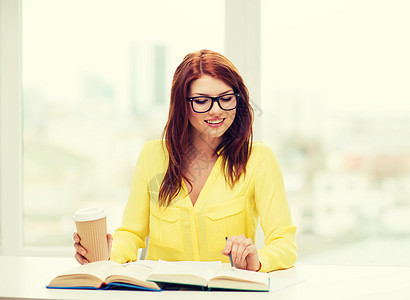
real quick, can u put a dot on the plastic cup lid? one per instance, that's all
(89, 214)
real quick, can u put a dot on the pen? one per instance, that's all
(230, 258)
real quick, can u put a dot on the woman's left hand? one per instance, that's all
(244, 253)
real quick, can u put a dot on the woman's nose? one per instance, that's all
(215, 109)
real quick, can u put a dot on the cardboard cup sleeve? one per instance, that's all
(91, 226)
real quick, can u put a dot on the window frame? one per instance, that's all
(11, 202)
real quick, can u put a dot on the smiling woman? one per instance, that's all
(206, 73)
(215, 181)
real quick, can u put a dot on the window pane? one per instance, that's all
(336, 108)
(96, 83)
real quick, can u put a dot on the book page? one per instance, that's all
(140, 272)
(99, 269)
(91, 274)
(241, 275)
(135, 274)
(240, 279)
(144, 262)
(187, 272)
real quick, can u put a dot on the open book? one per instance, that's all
(159, 275)
(209, 275)
(105, 275)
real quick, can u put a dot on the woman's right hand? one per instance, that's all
(80, 251)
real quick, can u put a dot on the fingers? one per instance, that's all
(228, 245)
(76, 237)
(80, 251)
(109, 238)
(78, 247)
(238, 248)
(244, 252)
(249, 250)
(109, 242)
(81, 259)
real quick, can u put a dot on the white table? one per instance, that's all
(26, 277)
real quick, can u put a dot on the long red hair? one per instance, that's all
(235, 145)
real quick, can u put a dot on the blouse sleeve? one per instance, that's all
(280, 249)
(131, 235)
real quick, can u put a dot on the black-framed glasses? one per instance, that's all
(203, 104)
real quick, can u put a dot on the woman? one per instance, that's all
(206, 179)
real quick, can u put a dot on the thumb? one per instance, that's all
(109, 242)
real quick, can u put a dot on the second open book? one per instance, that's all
(151, 275)
(211, 275)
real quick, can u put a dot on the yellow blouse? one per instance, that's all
(186, 232)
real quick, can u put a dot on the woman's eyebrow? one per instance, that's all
(202, 94)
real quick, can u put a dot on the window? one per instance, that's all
(336, 109)
(96, 84)
(334, 106)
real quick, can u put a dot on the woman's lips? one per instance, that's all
(214, 122)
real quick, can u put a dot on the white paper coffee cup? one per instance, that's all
(91, 226)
